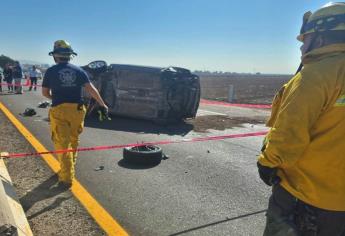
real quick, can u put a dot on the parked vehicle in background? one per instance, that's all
(163, 95)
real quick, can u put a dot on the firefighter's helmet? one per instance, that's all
(328, 18)
(62, 49)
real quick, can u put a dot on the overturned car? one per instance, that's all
(163, 95)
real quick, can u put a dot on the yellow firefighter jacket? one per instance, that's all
(306, 141)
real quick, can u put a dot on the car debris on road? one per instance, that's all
(99, 168)
(29, 112)
(142, 155)
(44, 104)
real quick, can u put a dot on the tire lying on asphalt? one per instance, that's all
(147, 154)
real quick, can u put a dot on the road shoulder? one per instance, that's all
(50, 210)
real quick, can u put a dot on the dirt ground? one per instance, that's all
(252, 89)
(219, 122)
(50, 209)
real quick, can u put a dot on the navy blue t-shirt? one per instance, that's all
(65, 81)
(17, 72)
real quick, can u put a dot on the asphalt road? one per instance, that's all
(203, 188)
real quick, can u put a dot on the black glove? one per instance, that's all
(268, 175)
(103, 114)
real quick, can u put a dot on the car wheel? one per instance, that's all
(147, 154)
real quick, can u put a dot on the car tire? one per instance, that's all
(143, 155)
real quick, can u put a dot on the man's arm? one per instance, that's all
(299, 110)
(46, 93)
(95, 94)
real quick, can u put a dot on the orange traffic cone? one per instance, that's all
(27, 82)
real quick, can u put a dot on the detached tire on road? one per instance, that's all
(147, 154)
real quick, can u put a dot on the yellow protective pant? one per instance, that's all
(66, 123)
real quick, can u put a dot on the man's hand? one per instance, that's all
(105, 108)
(268, 175)
(103, 113)
(46, 93)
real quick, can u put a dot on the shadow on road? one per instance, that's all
(217, 222)
(124, 164)
(47, 189)
(54, 205)
(139, 126)
(201, 124)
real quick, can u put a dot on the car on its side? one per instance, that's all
(162, 95)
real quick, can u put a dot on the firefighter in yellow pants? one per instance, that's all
(63, 84)
(65, 135)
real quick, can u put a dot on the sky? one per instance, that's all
(215, 35)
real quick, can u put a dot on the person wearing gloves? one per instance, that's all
(63, 83)
(303, 153)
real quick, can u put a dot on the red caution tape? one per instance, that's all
(99, 148)
(27, 84)
(209, 102)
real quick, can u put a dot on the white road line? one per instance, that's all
(212, 112)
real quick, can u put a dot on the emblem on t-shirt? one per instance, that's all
(67, 77)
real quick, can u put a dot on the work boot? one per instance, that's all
(64, 185)
(63, 181)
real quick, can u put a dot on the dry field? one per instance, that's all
(252, 89)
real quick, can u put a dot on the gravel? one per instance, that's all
(50, 209)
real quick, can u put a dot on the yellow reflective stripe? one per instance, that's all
(340, 101)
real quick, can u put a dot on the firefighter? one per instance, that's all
(303, 155)
(63, 84)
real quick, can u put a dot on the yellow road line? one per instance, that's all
(101, 216)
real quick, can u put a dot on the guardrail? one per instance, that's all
(12, 217)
